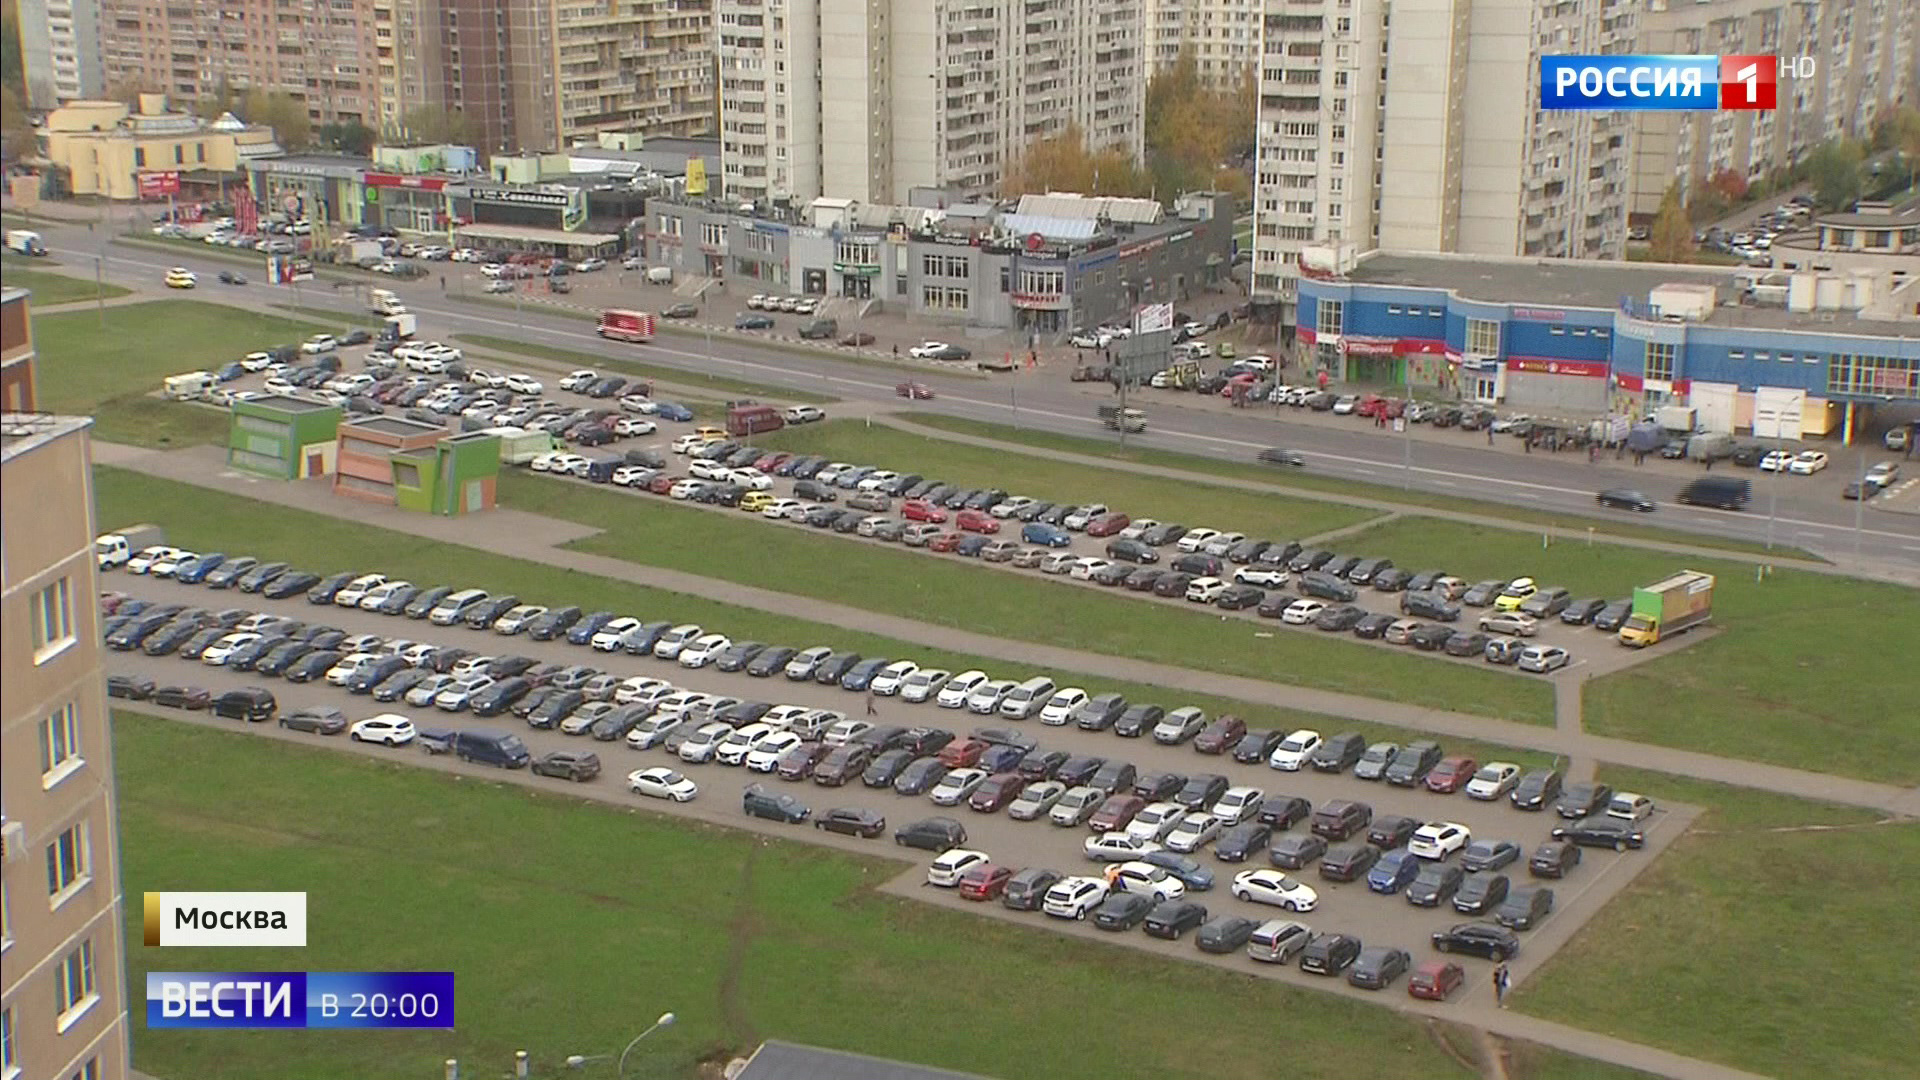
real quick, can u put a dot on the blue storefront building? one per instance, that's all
(1764, 352)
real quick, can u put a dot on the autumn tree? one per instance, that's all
(349, 137)
(1903, 136)
(1195, 135)
(1835, 169)
(17, 136)
(434, 124)
(281, 111)
(1672, 234)
(1065, 163)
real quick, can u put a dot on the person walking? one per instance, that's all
(1501, 980)
(443, 283)
(1489, 434)
(872, 710)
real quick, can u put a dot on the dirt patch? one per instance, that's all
(736, 1025)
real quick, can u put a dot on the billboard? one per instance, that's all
(158, 185)
(1153, 318)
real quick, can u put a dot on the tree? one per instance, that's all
(1065, 163)
(17, 136)
(281, 111)
(433, 124)
(1903, 135)
(1729, 185)
(351, 137)
(1835, 170)
(13, 74)
(1194, 133)
(1672, 235)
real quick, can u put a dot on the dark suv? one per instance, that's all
(932, 834)
(1414, 761)
(758, 802)
(1478, 939)
(1338, 819)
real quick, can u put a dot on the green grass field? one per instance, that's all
(719, 384)
(1337, 489)
(563, 938)
(49, 288)
(113, 373)
(209, 520)
(1022, 607)
(1773, 937)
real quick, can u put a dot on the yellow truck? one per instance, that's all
(1668, 607)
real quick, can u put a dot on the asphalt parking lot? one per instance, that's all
(1348, 908)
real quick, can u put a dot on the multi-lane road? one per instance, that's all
(1804, 512)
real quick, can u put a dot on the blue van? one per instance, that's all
(498, 748)
(601, 470)
(1045, 535)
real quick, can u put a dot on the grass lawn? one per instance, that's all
(717, 383)
(552, 941)
(1306, 480)
(209, 520)
(1771, 937)
(1023, 607)
(1795, 676)
(52, 288)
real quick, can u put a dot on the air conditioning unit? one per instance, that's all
(13, 840)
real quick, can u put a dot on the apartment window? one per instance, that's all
(60, 744)
(68, 863)
(1483, 337)
(139, 157)
(52, 621)
(1761, 354)
(855, 253)
(200, 152)
(899, 284)
(669, 226)
(1329, 316)
(1393, 309)
(73, 990)
(89, 1071)
(9, 1055)
(1006, 279)
(713, 234)
(179, 154)
(1659, 358)
(1556, 330)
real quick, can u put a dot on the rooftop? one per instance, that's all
(290, 403)
(398, 426)
(21, 433)
(1876, 215)
(788, 1061)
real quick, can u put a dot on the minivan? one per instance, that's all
(1629, 806)
(1722, 492)
(454, 607)
(1278, 941)
(247, 703)
(1028, 698)
(497, 748)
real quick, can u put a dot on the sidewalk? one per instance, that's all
(534, 537)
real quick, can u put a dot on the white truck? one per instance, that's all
(519, 446)
(113, 549)
(25, 242)
(190, 386)
(400, 326)
(386, 302)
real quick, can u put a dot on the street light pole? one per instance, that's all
(666, 1020)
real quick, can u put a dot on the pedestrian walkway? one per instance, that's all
(518, 534)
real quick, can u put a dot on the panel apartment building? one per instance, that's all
(1222, 35)
(62, 1005)
(869, 99)
(60, 51)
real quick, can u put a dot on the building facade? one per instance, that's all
(1873, 238)
(60, 56)
(949, 94)
(107, 148)
(1222, 36)
(576, 70)
(1778, 355)
(62, 948)
(284, 437)
(1863, 58)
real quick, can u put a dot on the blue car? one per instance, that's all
(1188, 872)
(672, 410)
(195, 571)
(971, 545)
(1046, 535)
(1395, 871)
(232, 371)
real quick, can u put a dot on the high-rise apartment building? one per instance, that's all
(1223, 36)
(62, 1002)
(322, 51)
(60, 51)
(1862, 57)
(869, 99)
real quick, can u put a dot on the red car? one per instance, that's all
(1369, 405)
(798, 763)
(997, 791)
(963, 753)
(977, 521)
(985, 882)
(1452, 772)
(1116, 813)
(914, 391)
(772, 461)
(946, 541)
(1108, 524)
(1435, 979)
(921, 510)
(1220, 736)
(660, 485)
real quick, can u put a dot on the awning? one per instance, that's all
(534, 235)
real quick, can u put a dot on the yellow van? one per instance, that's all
(755, 501)
(709, 434)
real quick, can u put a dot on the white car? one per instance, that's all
(143, 560)
(688, 443)
(1264, 577)
(769, 749)
(1205, 590)
(1807, 462)
(421, 696)
(1155, 821)
(674, 640)
(704, 650)
(516, 619)
(924, 684)
(1239, 804)
(1193, 832)
(631, 475)
(1077, 521)
(217, 653)
(929, 349)
(634, 425)
(803, 414)
(954, 788)
(1195, 539)
(641, 689)
(354, 593)
(608, 637)
(1146, 879)
(1494, 779)
(1138, 528)
(830, 473)
(1074, 897)
(639, 403)
(1035, 800)
(951, 866)
(319, 343)
(1273, 887)
(1060, 706)
(1302, 612)
(784, 716)
(1541, 659)
(699, 746)
(1117, 847)
(710, 470)
(579, 379)
(1084, 568)
(733, 749)
(781, 508)
(458, 696)
(845, 730)
(749, 479)
(654, 730)
(1294, 750)
(958, 689)
(1223, 543)
(1010, 506)
(1777, 461)
(1439, 839)
(470, 666)
(581, 720)
(347, 666)
(686, 489)
(388, 729)
(990, 695)
(661, 783)
(876, 480)
(571, 465)
(1510, 622)
(886, 682)
(166, 565)
(522, 384)
(256, 361)
(870, 525)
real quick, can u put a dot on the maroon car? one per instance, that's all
(997, 791)
(1221, 735)
(1451, 774)
(1108, 524)
(1435, 979)
(798, 763)
(985, 882)
(963, 753)
(1116, 813)
(842, 764)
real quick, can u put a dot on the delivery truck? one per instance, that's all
(113, 549)
(1668, 607)
(1119, 419)
(400, 326)
(25, 242)
(634, 326)
(189, 386)
(519, 446)
(386, 302)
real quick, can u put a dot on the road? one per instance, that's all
(1803, 512)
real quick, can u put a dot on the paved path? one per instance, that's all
(534, 537)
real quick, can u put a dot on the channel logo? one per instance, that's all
(1659, 83)
(231, 919)
(226, 1000)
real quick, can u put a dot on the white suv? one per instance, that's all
(1074, 897)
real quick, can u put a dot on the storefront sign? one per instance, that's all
(159, 185)
(524, 196)
(945, 239)
(1143, 248)
(1184, 234)
(856, 269)
(1534, 314)
(1039, 301)
(1366, 345)
(1543, 365)
(399, 180)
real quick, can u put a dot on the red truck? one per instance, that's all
(749, 420)
(634, 326)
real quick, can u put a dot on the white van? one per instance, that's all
(1028, 698)
(660, 275)
(1629, 806)
(455, 605)
(188, 386)
(386, 302)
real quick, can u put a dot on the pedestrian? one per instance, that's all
(1501, 980)
(872, 710)
(1527, 444)
(896, 350)
(1593, 454)
(443, 283)
(1709, 461)
(1489, 434)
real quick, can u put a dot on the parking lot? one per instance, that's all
(1347, 908)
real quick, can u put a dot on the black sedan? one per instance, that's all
(290, 583)
(317, 719)
(853, 821)
(1240, 842)
(1171, 918)
(1598, 831)
(1625, 499)
(1295, 852)
(1226, 934)
(1582, 800)
(1378, 966)
(312, 666)
(1284, 811)
(1279, 455)
(1478, 939)
(750, 321)
(1122, 911)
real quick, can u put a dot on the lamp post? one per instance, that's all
(579, 1061)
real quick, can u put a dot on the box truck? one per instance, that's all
(113, 549)
(189, 386)
(1668, 607)
(519, 446)
(25, 242)
(635, 326)
(386, 302)
(400, 326)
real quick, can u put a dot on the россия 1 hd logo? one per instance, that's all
(1665, 83)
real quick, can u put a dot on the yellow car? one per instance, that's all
(1515, 594)
(709, 434)
(181, 278)
(755, 501)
